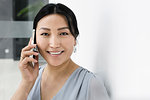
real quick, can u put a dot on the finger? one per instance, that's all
(21, 58)
(28, 60)
(30, 41)
(26, 51)
(28, 47)
(29, 53)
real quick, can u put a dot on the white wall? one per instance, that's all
(115, 41)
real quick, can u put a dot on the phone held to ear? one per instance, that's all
(34, 42)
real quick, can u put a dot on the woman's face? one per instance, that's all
(54, 39)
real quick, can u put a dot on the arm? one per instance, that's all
(22, 91)
(28, 71)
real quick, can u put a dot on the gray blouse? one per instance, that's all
(81, 85)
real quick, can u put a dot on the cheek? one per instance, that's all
(40, 43)
(69, 46)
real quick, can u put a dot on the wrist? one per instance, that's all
(27, 86)
(23, 90)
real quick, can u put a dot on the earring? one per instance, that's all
(75, 49)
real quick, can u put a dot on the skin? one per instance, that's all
(53, 35)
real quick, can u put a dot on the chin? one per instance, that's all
(57, 63)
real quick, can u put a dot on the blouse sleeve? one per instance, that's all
(97, 90)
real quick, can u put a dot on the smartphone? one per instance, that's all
(34, 42)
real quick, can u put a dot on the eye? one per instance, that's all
(45, 34)
(64, 34)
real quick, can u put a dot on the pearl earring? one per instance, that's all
(75, 49)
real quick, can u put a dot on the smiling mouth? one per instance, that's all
(55, 53)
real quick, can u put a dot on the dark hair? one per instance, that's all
(58, 9)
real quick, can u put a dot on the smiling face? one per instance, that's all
(54, 39)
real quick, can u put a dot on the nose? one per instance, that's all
(54, 42)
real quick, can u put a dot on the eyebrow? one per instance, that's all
(44, 28)
(48, 29)
(63, 28)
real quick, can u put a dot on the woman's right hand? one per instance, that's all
(28, 70)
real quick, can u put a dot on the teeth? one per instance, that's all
(55, 53)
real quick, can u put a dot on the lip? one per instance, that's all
(55, 53)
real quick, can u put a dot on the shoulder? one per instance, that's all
(84, 74)
(94, 80)
(94, 84)
(97, 89)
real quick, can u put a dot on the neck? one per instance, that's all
(64, 70)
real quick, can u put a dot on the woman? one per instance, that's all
(61, 78)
